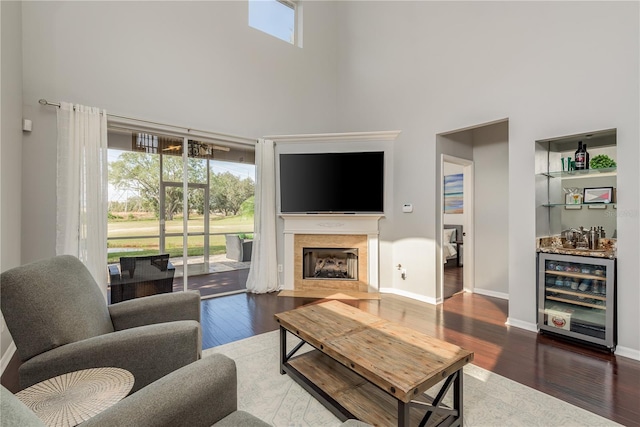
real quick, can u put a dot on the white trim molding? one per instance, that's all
(417, 297)
(489, 293)
(521, 324)
(627, 352)
(335, 137)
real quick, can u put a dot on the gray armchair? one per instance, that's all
(60, 322)
(203, 393)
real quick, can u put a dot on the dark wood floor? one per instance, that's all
(598, 382)
(452, 280)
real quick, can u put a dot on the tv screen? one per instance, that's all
(332, 182)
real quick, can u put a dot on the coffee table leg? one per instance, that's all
(403, 414)
(457, 396)
(454, 418)
(283, 349)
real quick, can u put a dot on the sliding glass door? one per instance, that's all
(192, 232)
(190, 199)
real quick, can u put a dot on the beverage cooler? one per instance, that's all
(577, 297)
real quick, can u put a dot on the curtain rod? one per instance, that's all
(218, 136)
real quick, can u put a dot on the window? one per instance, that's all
(274, 17)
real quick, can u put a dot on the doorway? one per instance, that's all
(484, 150)
(176, 195)
(457, 217)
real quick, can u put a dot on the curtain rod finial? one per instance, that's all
(42, 101)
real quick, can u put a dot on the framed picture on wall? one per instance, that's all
(597, 195)
(453, 194)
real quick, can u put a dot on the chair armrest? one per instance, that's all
(16, 413)
(114, 273)
(148, 352)
(199, 394)
(155, 309)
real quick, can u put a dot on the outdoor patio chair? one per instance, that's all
(141, 276)
(60, 322)
(238, 249)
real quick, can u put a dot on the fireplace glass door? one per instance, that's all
(330, 263)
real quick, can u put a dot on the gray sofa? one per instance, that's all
(60, 322)
(203, 393)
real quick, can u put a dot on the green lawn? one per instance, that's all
(150, 227)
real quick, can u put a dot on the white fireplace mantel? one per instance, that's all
(359, 224)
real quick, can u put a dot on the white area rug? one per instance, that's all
(489, 399)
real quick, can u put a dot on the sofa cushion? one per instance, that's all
(50, 303)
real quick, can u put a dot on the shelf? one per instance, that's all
(552, 205)
(582, 314)
(576, 275)
(577, 302)
(585, 294)
(583, 173)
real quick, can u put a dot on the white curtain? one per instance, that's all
(82, 188)
(263, 275)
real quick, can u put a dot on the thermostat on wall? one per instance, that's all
(407, 207)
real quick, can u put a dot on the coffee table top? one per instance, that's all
(69, 399)
(400, 360)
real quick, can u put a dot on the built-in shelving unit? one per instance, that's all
(553, 214)
(576, 293)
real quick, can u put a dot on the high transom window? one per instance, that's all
(275, 17)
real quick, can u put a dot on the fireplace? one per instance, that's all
(350, 239)
(330, 263)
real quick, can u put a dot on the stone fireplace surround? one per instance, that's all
(336, 231)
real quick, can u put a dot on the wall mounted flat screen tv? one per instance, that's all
(350, 182)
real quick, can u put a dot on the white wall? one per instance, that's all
(194, 64)
(551, 68)
(420, 67)
(10, 148)
(491, 209)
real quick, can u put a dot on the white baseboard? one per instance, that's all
(411, 295)
(627, 352)
(522, 325)
(490, 293)
(6, 357)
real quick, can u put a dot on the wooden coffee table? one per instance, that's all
(371, 369)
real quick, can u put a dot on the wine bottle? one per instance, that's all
(586, 156)
(580, 157)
